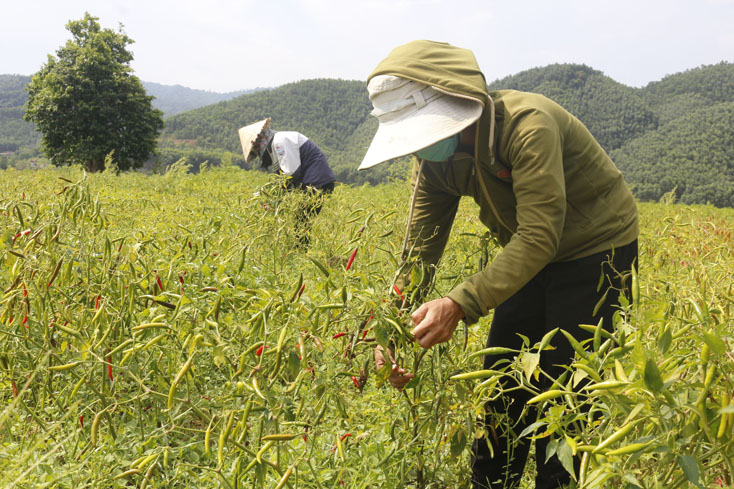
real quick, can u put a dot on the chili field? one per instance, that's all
(167, 331)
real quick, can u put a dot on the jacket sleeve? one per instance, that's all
(535, 149)
(433, 217)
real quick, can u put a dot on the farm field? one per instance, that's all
(166, 331)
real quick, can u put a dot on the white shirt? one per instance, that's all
(286, 145)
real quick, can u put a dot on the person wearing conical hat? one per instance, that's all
(548, 193)
(292, 154)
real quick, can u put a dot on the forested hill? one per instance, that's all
(674, 134)
(174, 99)
(15, 133)
(613, 112)
(692, 150)
(671, 134)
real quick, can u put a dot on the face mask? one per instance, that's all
(440, 151)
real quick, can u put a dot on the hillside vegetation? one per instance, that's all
(613, 112)
(670, 137)
(333, 113)
(15, 133)
(174, 99)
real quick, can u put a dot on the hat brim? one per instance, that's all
(249, 134)
(433, 122)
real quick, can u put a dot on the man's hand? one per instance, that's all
(435, 321)
(399, 377)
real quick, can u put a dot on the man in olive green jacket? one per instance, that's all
(548, 193)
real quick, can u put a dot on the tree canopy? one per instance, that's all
(87, 103)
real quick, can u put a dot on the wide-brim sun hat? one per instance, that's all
(413, 116)
(249, 134)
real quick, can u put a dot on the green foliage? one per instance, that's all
(168, 155)
(87, 103)
(693, 154)
(15, 133)
(656, 394)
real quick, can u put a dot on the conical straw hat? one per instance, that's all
(249, 134)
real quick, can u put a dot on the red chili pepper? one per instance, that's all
(345, 435)
(15, 389)
(338, 335)
(25, 320)
(356, 381)
(397, 291)
(351, 258)
(25, 291)
(81, 421)
(300, 291)
(158, 281)
(109, 369)
(305, 440)
(96, 302)
(259, 351)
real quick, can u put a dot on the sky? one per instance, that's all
(223, 46)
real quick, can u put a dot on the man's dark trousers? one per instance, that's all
(564, 295)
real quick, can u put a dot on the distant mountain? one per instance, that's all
(15, 133)
(673, 134)
(692, 149)
(613, 112)
(692, 154)
(174, 99)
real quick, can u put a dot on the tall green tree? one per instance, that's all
(87, 103)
